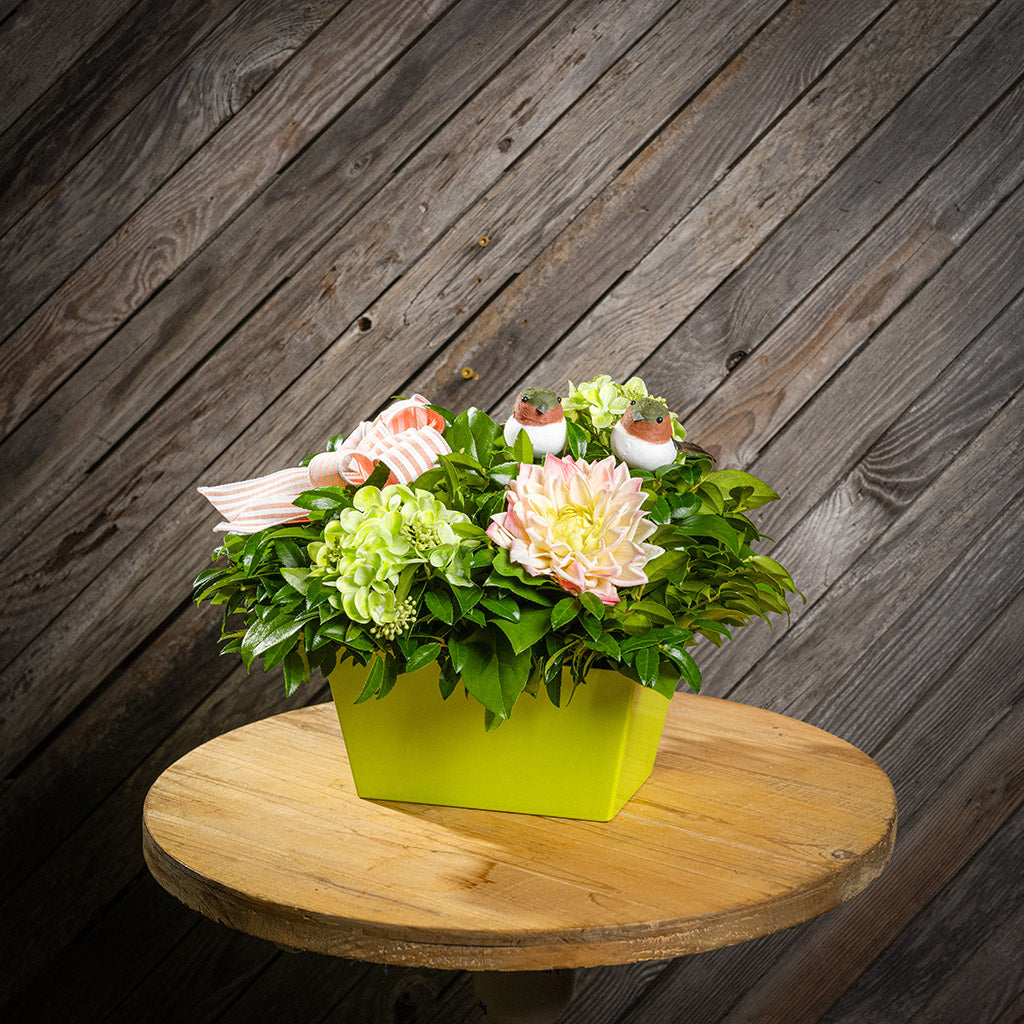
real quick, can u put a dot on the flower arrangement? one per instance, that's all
(583, 533)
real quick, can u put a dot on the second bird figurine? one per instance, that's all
(643, 437)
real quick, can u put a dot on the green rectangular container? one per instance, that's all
(584, 760)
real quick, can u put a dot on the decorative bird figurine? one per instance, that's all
(643, 437)
(539, 413)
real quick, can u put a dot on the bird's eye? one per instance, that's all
(559, 400)
(660, 418)
(633, 402)
(523, 398)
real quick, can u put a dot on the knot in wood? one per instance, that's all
(734, 360)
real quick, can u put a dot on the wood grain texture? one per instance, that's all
(40, 40)
(854, 340)
(192, 94)
(695, 861)
(786, 165)
(942, 208)
(208, 190)
(897, 468)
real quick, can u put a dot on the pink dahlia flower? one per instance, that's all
(579, 523)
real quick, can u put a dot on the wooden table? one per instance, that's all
(750, 823)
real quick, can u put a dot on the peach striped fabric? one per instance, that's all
(406, 437)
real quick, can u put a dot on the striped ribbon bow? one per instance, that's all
(406, 437)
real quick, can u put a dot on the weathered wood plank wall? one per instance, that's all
(232, 229)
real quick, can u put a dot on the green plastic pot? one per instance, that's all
(584, 760)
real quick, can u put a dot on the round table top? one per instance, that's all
(751, 822)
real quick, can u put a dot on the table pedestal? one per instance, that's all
(524, 997)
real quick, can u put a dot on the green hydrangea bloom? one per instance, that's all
(368, 547)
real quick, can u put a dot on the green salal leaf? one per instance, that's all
(298, 578)
(504, 473)
(713, 631)
(492, 671)
(522, 450)
(528, 629)
(296, 672)
(389, 677)
(660, 511)
(653, 611)
(446, 413)
(535, 677)
(467, 597)
(316, 590)
(448, 678)
(501, 564)
(210, 576)
(477, 615)
(668, 679)
(469, 531)
(458, 433)
(355, 636)
(250, 553)
(324, 499)
(503, 607)
(675, 635)
(273, 656)
(513, 577)
(744, 490)
(463, 460)
(773, 568)
(575, 439)
(553, 676)
(666, 565)
(422, 657)
(430, 480)
(379, 476)
(593, 604)
(683, 504)
(526, 591)
(712, 499)
(772, 601)
(637, 643)
(636, 623)
(484, 431)
(606, 644)
(289, 553)
(440, 605)
(407, 646)
(563, 612)
(374, 677)
(261, 636)
(688, 668)
(711, 526)
(207, 584)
